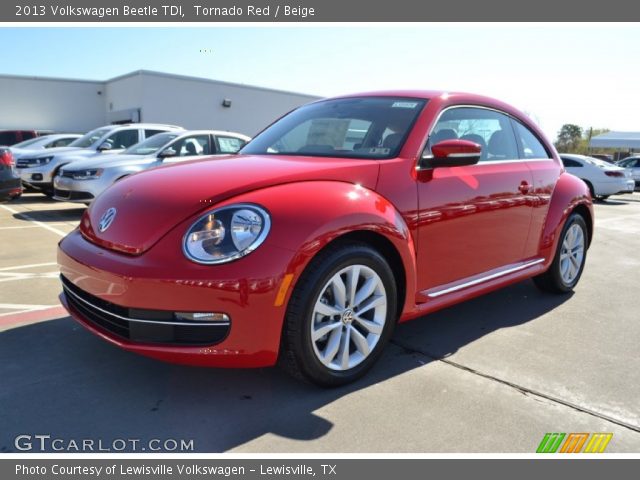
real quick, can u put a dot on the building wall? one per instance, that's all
(123, 98)
(197, 104)
(75, 105)
(50, 104)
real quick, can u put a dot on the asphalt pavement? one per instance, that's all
(491, 375)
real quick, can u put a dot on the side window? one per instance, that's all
(63, 142)
(123, 139)
(192, 146)
(490, 129)
(229, 144)
(531, 146)
(150, 133)
(567, 162)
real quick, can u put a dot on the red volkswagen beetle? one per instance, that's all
(342, 218)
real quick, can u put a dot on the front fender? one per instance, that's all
(307, 216)
(570, 192)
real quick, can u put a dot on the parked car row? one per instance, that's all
(84, 166)
(81, 181)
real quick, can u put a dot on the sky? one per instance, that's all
(587, 74)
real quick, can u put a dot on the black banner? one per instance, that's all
(313, 11)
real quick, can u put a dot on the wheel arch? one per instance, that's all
(584, 211)
(570, 195)
(384, 247)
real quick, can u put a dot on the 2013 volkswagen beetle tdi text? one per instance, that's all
(339, 220)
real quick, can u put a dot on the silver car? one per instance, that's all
(38, 170)
(633, 164)
(36, 146)
(84, 180)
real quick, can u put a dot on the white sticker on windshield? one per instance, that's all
(404, 105)
(379, 151)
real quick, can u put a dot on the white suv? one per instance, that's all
(39, 170)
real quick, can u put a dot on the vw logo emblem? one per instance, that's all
(107, 219)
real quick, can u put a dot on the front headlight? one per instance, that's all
(37, 162)
(90, 174)
(226, 234)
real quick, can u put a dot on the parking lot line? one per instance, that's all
(31, 265)
(21, 307)
(19, 227)
(15, 319)
(36, 222)
(12, 277)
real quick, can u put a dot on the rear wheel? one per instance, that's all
(340, 316)
(565, 270)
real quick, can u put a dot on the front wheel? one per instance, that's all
(340, 316)
(565, 270)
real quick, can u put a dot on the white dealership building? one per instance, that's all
(70, 105)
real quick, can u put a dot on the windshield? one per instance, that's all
(151, 144)
(90, 138)
(26, 143)
(363, 127)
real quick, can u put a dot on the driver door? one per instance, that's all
(472, 219)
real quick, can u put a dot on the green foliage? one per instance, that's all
(574, 139)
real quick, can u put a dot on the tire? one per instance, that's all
(591, 190)
(562, 276)
(311, 355)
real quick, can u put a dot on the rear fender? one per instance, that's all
(570, 193)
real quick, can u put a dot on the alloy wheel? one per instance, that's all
(348, 317)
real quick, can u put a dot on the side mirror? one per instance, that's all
(452, 153)
(167, 153)
(105, 146)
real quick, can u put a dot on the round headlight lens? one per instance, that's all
(226, 234)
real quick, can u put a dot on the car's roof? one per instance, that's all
(145, 125)
(443, 97)
(215, 132)
(425, 94)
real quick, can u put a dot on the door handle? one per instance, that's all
(524, 187)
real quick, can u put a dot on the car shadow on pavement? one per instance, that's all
(33, 198)
(49, 216)
(620, 200)
(60, 380)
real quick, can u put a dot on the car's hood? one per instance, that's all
(45, 152)
(110, 161)
(21, 151)
(150, 204)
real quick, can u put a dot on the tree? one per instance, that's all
(569, 138)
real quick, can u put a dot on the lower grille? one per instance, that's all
(70, 195)
(142, 326)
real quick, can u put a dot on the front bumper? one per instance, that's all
(245, 290)
(38, 177)
(79, 191)
(612, 187)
